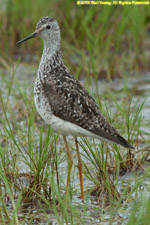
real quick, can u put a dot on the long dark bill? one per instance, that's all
(28, 37)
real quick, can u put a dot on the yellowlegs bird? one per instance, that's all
(62, 101)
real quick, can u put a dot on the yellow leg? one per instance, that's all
(80, 169)
(70, 161)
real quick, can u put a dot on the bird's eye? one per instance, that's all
(48, 27)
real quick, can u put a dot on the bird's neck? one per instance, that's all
(51, 46)
(51, 57)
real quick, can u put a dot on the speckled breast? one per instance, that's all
(42, 105)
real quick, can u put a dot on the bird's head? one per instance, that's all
(47, 28)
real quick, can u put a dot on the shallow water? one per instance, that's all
(137, 85)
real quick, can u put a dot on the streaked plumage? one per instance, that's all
(60, 99)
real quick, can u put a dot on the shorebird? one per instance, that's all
(62, 101)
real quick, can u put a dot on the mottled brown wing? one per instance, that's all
(72, 103)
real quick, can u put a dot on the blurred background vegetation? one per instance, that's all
(98, 40)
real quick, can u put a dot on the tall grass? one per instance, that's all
(113, 36)
(139, 211)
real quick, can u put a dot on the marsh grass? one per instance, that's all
(104, 186)
(106, 160)
(139, 211)
(31, 157)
